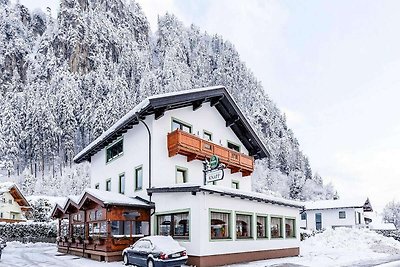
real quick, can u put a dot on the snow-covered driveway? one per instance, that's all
(44, 255)
(333, 248)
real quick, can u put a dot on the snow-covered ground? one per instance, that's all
(340, 247)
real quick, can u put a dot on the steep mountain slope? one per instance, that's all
(65, 81)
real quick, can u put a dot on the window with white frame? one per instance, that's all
(181, 175)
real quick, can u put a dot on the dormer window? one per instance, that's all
(177, 124)
(115, 150)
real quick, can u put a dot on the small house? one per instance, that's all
(325, 214)
(13, 204)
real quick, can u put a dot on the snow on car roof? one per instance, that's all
(165, 243)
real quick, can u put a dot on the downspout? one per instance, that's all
(149, 135)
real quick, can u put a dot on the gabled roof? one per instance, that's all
(13, 189)
(104, 198)
(157, 105)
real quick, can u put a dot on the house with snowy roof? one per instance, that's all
(325, 214)
(181, 164)
(13, 204)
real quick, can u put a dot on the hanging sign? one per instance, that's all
(213, 170)
(214, 162)
(214, 175)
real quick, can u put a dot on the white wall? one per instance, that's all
(200, 205)
(330, 218)
(163, 167)
(7, 208)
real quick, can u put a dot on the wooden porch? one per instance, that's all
(100, 231)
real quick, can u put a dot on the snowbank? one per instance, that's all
(337, 247)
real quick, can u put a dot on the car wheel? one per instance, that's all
(150, 263)
(126, 260)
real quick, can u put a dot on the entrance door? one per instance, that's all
(318, 221)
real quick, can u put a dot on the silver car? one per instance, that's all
(155, 251)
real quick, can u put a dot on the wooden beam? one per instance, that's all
(232, 121)
(159, 113)
(191, 157)
(197, 104)
(215, 101)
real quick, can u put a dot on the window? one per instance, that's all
(219, 225)
(138, 178)
(120, 228)
(262, 227)
(304, 216)
(3, 200)
(342, 215)
(318, 221)
(108, 185)
(1, 215)
(121, 188)
(243, 226)
(97, 186)
(10, 201)
(276, 227)
(176, 225)
(290, 228)
(13, 216)
(233, 146)
(358, 217)
(181, 175)
(114, 151)
(235, 184)
(176, 124)
(207, 136)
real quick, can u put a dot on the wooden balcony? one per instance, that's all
(183, 143)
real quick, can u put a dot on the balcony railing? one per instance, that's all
(183, 143)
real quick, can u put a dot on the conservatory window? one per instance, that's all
(219, 225)
(261, 227)
(290, 228)
(276, 227)
(176, 225)
(243, 226)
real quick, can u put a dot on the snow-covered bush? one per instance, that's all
(390, 233)
(28, 231)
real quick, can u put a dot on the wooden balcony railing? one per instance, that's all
(183, 143)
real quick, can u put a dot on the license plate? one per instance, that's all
(176, 255)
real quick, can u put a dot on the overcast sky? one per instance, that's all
(331, 66)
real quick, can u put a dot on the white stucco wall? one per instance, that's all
(8, 209)
(330, 218)
(199, 205)
(135, 146)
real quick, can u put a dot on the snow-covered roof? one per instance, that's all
(105, 197)
(382, 226)
(16, 194)
(229, 192)
(334, 204)
(163, 102)
(111, 198)
(6, 186)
